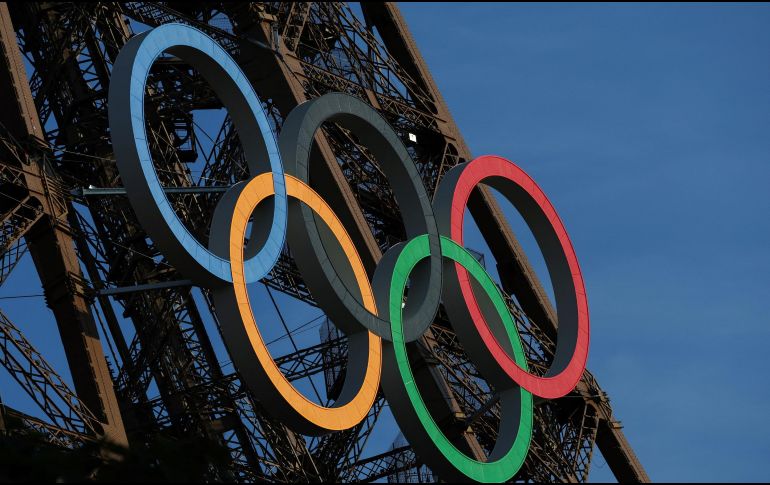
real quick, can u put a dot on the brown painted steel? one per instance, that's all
(53, 250)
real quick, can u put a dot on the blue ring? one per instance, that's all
(127, 124)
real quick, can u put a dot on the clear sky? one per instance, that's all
(648, 126)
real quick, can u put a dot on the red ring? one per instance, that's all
(549, 387)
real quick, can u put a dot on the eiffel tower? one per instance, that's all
(140, 342)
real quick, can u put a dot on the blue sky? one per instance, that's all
(647, 126)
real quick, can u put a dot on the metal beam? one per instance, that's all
(42, 383)
(52, 249)
(95, 191)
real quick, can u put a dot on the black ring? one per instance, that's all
(322, 265)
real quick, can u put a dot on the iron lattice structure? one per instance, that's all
(61, 202)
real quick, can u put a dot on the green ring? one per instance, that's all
(506, 467)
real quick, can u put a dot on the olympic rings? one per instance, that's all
(377, 320)
(571, 304)
(248, 349)
(129, 139)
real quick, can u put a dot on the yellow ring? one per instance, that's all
(342, 415)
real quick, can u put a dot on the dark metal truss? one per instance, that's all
(165, 371)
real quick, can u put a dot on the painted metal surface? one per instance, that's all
(130, 142)
(409, 405)
(551, 236)
(318, 261)
(333, 269)
(248, 349)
